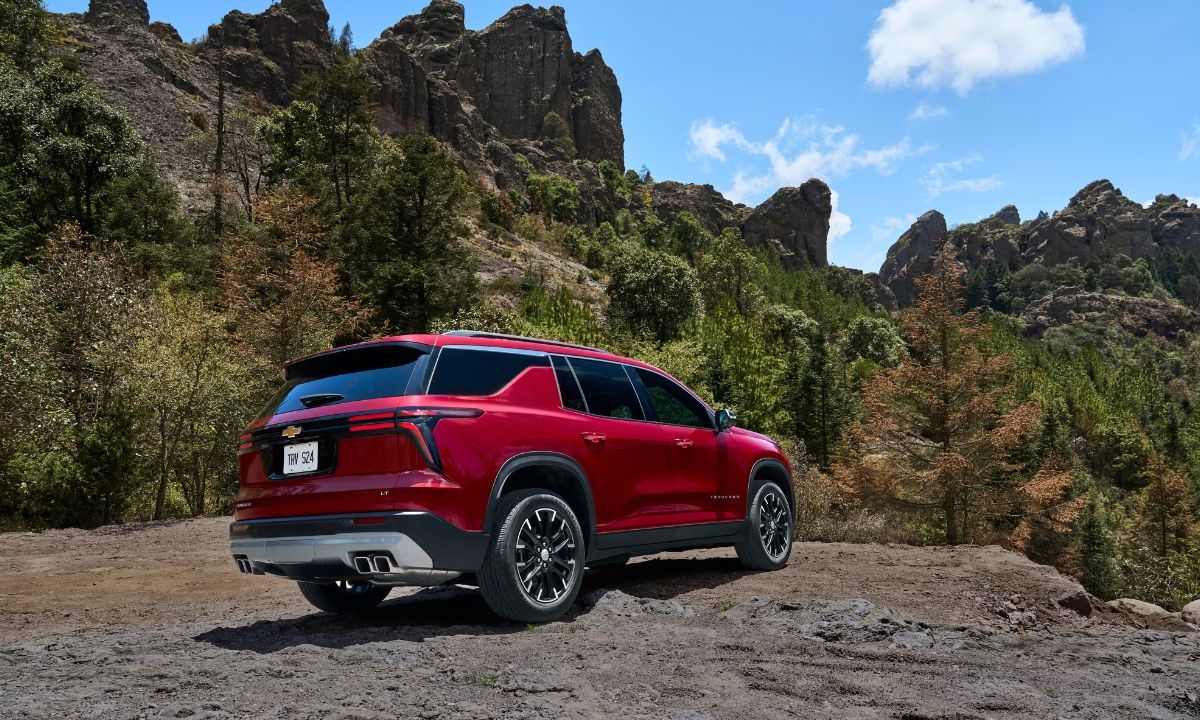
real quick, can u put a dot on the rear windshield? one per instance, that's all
(359, 374)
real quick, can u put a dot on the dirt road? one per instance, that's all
(154, 621)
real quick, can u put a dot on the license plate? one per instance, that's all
(299, 458)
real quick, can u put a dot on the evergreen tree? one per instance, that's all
(939, 428)
(1093, 535)
(403, 251)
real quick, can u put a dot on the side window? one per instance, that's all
(607, 389)
(672, 404)
(471, 371)
(568, 388)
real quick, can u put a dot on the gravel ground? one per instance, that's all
(154, 621)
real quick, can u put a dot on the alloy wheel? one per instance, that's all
(545, 555)
(774, 524)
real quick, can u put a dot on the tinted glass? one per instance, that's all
(463, 371)
(567, 387)
(672, 404)
(346, 376)
(607, 389)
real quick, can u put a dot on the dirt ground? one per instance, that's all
(154, 621)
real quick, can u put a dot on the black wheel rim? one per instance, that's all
(774, 524)
(545, 556)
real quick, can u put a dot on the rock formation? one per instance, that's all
(795, 222)
(516, 86)
(1098, 224)
(911, 256)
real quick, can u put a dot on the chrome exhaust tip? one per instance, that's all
(362, 564)
(382, 564)
(243, 565)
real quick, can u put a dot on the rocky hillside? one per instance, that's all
(1099, 227)
(516, 88)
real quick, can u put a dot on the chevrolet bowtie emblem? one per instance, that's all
(291, 431)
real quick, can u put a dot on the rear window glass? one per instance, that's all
(568, 389)
(607, 389)
(469, 371)
(360, 374)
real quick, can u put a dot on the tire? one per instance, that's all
(521, 582)
(766, 543)
(343, 597)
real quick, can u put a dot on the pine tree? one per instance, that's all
(939, 429)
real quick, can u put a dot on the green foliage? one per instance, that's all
(403, 250)
(616, 185)
(745, 369)
(559, 316)
(688, 236)
(553, 196)
(874, 339)
(61, 148)
(651, 292)
(729, 272)
(26, 32)
(556, 130)
(325, 140)
(1094, 536)
(498, 208)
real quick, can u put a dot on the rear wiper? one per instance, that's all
(311, 401)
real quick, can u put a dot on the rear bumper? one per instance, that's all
(420, 547)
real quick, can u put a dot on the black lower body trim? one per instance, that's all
(654, 540)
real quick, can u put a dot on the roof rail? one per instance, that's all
(522, 338)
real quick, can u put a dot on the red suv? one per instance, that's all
(415, 460)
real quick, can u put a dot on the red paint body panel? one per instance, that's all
(642, 474)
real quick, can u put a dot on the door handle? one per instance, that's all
(684, 443)
(593, 438)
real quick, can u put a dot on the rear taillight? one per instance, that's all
(418, 424)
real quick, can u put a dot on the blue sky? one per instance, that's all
(902, 106)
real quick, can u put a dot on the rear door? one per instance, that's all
(627, 459)
(697, 450)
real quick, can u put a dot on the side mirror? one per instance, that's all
(725, 420)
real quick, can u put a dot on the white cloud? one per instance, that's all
(941, 178)
(890, 228)
(925, 111)
(956, 43)
(839, 222)
(1189, 143)
(1194, 200)
(799, 150)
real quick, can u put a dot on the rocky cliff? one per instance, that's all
(515, 88)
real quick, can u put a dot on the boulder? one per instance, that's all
(1140, 608)
(912, 255)
(795, 222)
(1191, 613)
(1081, 602)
